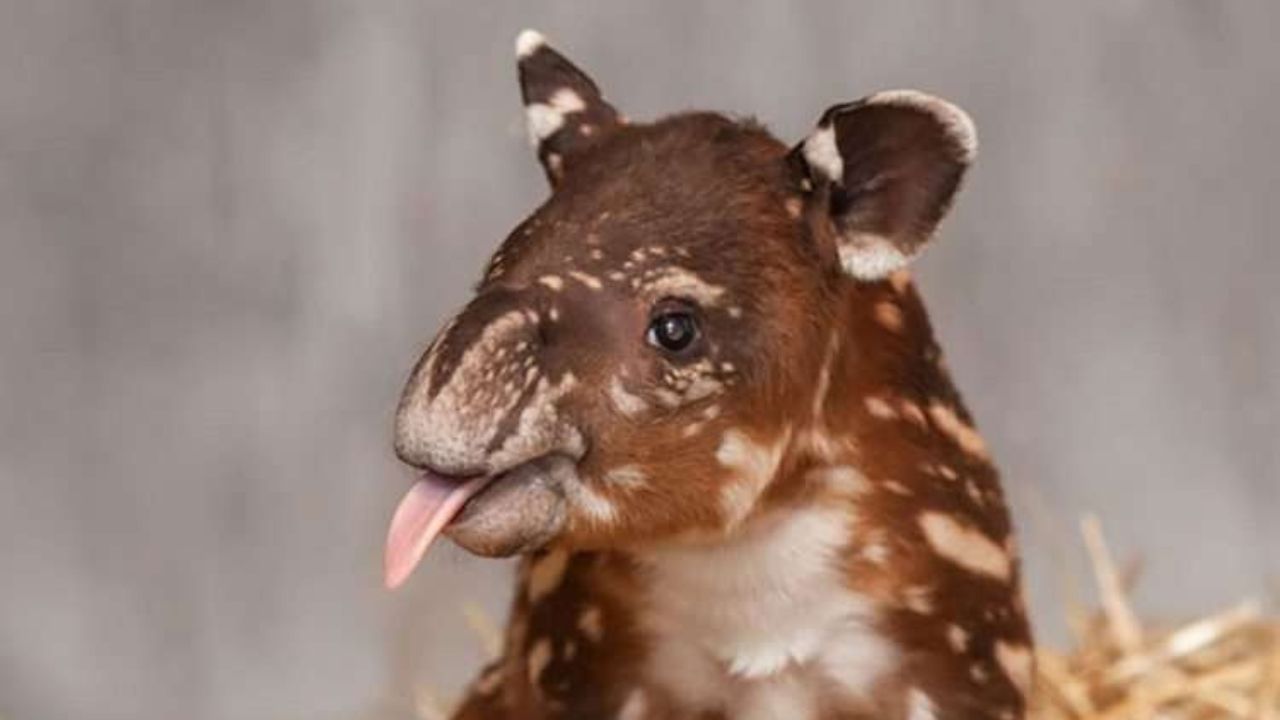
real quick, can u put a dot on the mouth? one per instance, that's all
(492, 515)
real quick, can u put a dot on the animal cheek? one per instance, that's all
(626, 400)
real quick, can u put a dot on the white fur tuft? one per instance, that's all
(528, 42)
(957, 122)
(725, 622)
(542, 121)
(823, 155)
(872, 258)
(545, 119)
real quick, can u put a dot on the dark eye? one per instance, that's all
(672, 331)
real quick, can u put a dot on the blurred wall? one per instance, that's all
(228, 228)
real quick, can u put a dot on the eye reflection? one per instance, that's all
(672, 331)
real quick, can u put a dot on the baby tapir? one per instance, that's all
(698, 394)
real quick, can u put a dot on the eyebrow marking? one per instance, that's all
(680, 281)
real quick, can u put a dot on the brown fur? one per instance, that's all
(841, 374)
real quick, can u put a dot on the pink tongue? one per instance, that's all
(425, 510)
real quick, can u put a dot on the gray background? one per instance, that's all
(227, 229)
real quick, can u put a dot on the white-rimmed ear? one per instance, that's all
(886, 168)
(564, 110)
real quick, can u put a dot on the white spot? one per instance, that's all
(918, 600)
(956, 122)
(958, 638)
(490, 681)
(974, 492)
(824, 375)
(630, 476)
(844, 480)
(636, 706)
(591, 623)
(949, 423)
(823, 154)
(889, 316)
(692, 429)
(794, 206)
(555, 282)
(546, 573)
(538, 659)
(594, 506)
(912, 412)
(709, 413)
(567, 101)
(667, 398)
(965, 546)
(555, 163)
(871, 257)
(1016, 662)
(822, 444)
(920, 706)
(880, 408)
(544, 119)
(528, 42)
(876, 553)
(753, 464)
(702, 386)
(590, 281)
(901, 280)
(631, 406)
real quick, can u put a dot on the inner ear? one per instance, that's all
(885, 170)
(564, 110)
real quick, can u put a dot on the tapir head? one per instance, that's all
(641, 350)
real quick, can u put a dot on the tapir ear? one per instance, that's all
(563, 107)
(885, 169)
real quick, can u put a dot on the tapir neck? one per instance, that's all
(877, 584)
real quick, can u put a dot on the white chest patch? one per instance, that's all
(756, 619)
